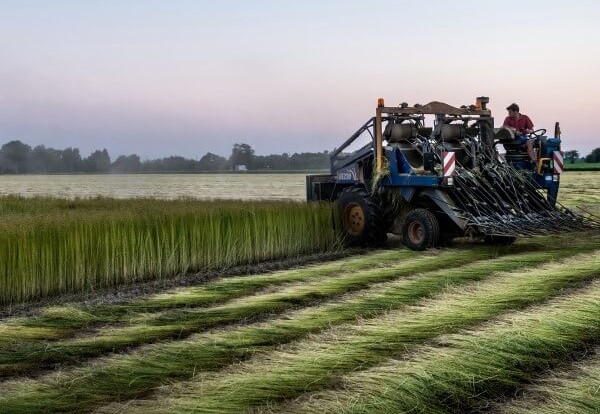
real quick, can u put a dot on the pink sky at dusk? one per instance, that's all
(163, 78)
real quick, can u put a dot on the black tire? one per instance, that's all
(499, 240)
(420, 229)
(360, 221)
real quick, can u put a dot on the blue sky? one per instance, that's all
(186, 77)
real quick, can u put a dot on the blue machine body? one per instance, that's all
(544, 172)
(403, 175)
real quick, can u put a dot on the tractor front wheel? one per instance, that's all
(420, 229)
(360, 220)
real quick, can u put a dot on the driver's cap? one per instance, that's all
(513, 107)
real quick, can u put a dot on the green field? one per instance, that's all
(580, 189)
(583, 166)
(471, 328)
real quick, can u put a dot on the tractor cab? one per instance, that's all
(546, 170)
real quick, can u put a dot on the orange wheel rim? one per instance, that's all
(354, 219)
(416, 232)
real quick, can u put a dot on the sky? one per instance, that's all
(183, 77)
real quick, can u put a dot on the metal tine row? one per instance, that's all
(498, 200)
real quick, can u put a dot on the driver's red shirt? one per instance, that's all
(520, 124)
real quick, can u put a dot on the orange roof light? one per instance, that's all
(380, 103)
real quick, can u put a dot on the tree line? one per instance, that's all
(17, 157)
(573, 156)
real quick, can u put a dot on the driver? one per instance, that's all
(522, 125)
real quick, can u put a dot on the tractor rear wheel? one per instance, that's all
(360, 221)
(420, 229)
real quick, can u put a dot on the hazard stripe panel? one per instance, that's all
(449, 163)
(558, 162)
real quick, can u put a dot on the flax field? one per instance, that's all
(467, 328)
(50, 246)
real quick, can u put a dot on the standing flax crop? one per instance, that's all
(49, 247)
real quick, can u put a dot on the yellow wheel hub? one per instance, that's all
(354, 219)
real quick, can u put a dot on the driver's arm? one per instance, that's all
(528, 126)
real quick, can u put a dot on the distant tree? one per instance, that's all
(170, 164)
(127, 163)
(594, 156)
(572, 156)
(153, 165)
(46, 160)
(310, 160)
(241, 154)
(40, 159)
(98, 161)
(15, 157)
(71, 160)
(52, 160)
(212, 162)
(303, 161)
(177, 163)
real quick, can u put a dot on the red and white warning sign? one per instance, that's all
(558, 162)
(449, 164)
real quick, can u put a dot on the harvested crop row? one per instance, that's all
(461, 371)
(580, 189)
(47, 254)
(574, 389)
(318, 359)
(60, 321)
(314, 364)
(19, 356)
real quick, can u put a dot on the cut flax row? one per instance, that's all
(56, 322)
(314, 364)
(461, 372)
(308, 365)
(93, 244)
(19, 355)
(575, 389)
(458, 374)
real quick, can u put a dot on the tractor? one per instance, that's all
(458, 177)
